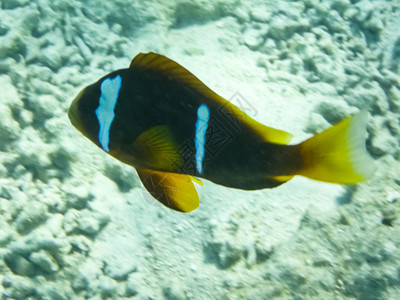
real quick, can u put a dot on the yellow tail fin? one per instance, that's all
(338, 154)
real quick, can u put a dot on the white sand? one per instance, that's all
(77, 224)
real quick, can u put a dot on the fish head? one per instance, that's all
(81, 112)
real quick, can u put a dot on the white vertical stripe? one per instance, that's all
(203, 116)
(105, 111)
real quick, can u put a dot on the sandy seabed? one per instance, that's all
(77, 224)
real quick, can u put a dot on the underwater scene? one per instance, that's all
(221, 149)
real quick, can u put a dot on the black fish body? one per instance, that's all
(159, 118)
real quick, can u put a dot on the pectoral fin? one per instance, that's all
(158, 148)
(173, 190)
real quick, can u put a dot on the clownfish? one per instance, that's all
(161, 119)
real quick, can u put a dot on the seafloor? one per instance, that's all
(77, 224)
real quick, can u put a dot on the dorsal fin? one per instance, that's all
(161, 64)
(154, 62)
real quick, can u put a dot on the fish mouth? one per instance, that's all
(73, 112)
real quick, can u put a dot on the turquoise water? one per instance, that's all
(77, 224)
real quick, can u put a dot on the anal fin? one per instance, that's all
(175, 191)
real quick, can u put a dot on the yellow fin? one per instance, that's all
(273, 135)
(153, 62)
(338, 154)
(173, 190)
(158, 148)
(194, 179)
(282, 178)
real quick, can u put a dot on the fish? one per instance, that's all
(159, 118)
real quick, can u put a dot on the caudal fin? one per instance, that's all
(338, 154)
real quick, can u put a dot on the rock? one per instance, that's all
(54, 224)
(31, 217)
(123, 175)
(250, 256)
(9, 128)
(11, 42)
(263, 249)
(333, 112)
(296, 64)
(132, 288)
(59, 290)
(254, 35)
(383, 143)
(3, 171)
(60, 157)
(25, 118)
(389, 216)
(76, 195)
(10, 104)
(394, 99)
(84, 221)
(80, 282)
(382, 140)
(119, 271)
(19, 265)
(316, 123)
(6, 236)
(33, 154)
(225, 253)
(70, 222)
(18, 287)
(52, 55)
(45, 261)
(173, 291)
(108, 287)
(44, 106)
(365, 9)
(5, 192)
(341, 5)
(84, 50)
(283, 28)
(388, 250)
(12, 4)
(260, 14)
(136, 286)
(91, 224)
(322, 258)
(241, 14)
(80, 244)
(188, 12)
(368, 94)
(40, 238)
